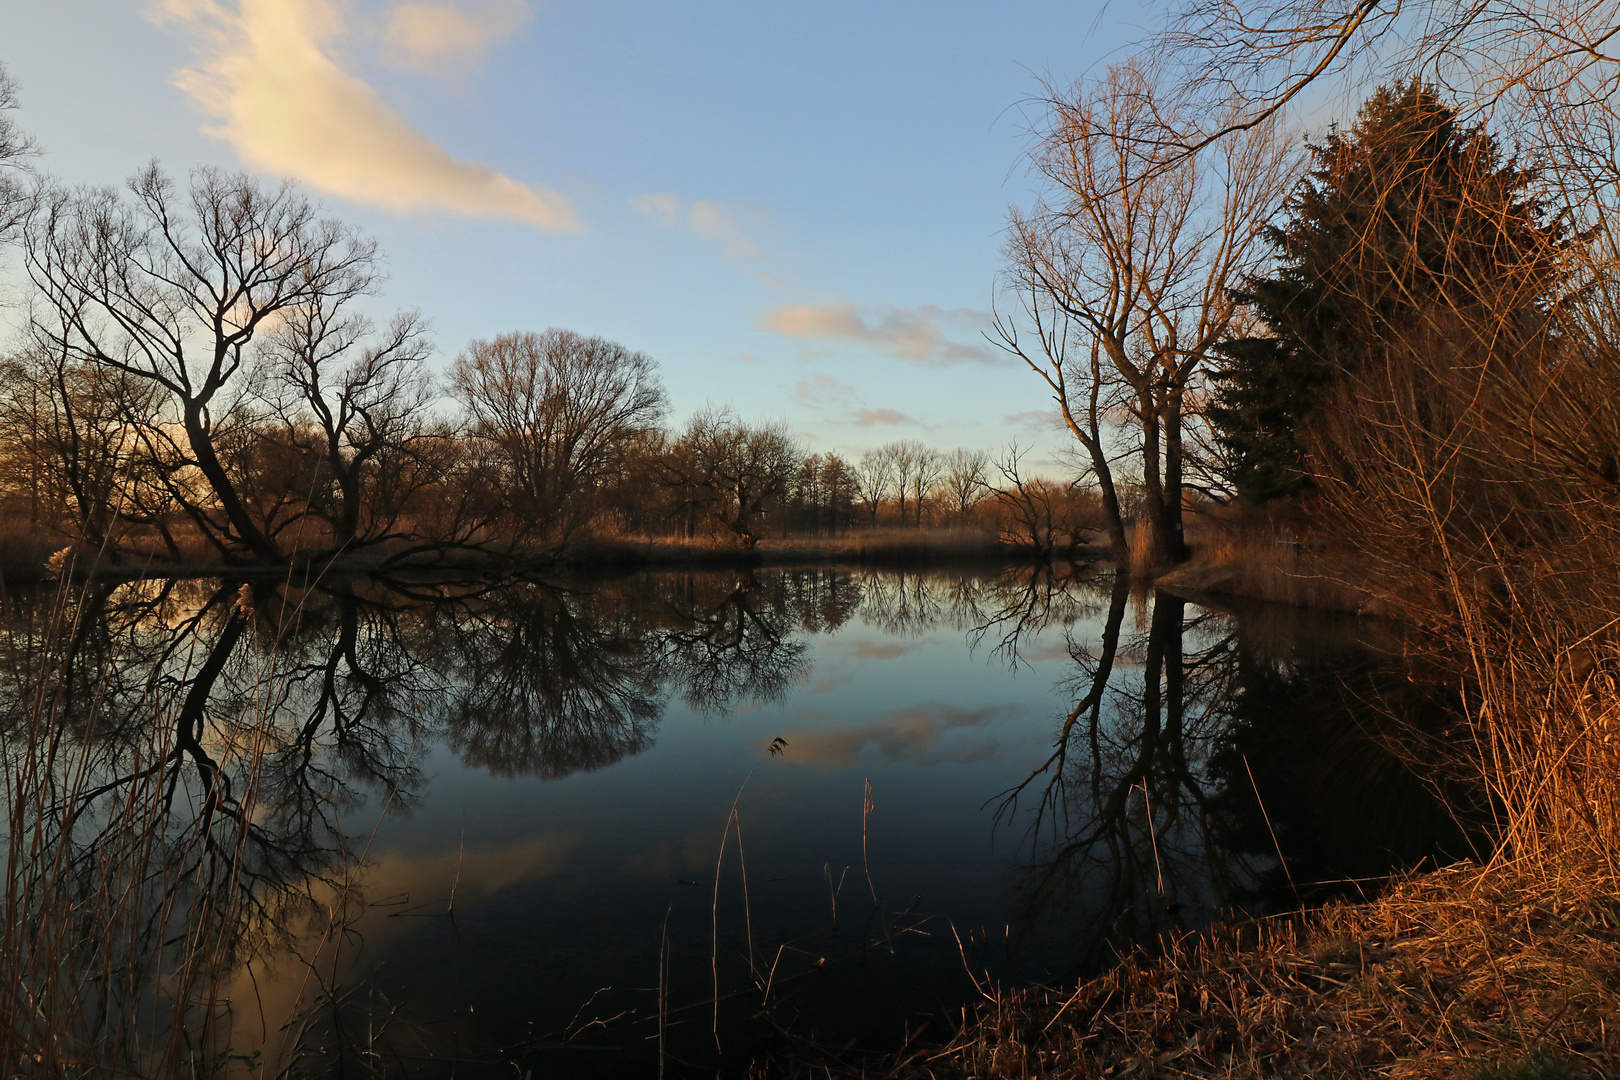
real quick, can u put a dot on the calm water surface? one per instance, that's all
(557, 818)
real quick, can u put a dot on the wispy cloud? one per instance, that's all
(1035, 419)
(824, 391)
(865, 417)
(448, 38)
(928, 335)
(268, 77)
(917, 734)
(734, 228)
(879, 650)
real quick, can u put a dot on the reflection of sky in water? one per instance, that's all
(563, 883)
(938, 731)
(574, 837)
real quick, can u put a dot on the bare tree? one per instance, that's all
(355, 405)
(914, 468)
(1129, 262)
(561, 411)
(174, 288)
(1037, 512)
(904, 456)
(964, 480)
(16, 147)
(736, 470)
(1542, 61)
(927, 468)
(71, 454)
(875, 476)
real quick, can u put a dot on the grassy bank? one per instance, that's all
(1467, 973)
(1267, 558)
(32, 560)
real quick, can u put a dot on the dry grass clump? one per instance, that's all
(1463, 973)
(1265, 558)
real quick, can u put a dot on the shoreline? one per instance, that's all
(1501, 973)
(904, 547)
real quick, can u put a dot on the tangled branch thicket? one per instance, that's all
(1469, 463)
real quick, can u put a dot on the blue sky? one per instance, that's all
(796, 209)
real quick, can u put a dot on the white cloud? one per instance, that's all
(440, 38)
(915, 335)
(268, 77)
(732, 227)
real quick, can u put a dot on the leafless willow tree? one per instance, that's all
(560, 410)
(176, 289)
(735, 472)
(1122, 276)
(354, 405)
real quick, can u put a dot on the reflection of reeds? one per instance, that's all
(144, 871)
(122, 893)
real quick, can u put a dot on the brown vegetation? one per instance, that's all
(1267, 554)
(1451, 974)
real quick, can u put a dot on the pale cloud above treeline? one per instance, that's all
(824, 391)
(269, 77)
(929, 336)
(730, 227)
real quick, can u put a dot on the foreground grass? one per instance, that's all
(1467, 973)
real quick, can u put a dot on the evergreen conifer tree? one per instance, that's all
(1408, 220)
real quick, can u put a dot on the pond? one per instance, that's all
(666, 823)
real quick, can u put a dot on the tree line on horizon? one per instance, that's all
(199, 375)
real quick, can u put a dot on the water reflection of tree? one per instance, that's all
(228, 735)
(1122, 820)
(1002, 606)
(731, 640)
(546, 683)
(1188, 775)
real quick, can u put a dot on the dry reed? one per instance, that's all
(1448, 975)
(134, 892)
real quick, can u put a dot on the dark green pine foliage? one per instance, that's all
(1407, 214)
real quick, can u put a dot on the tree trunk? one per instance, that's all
(1175, 541)
(1152, 519)
(213, 471)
